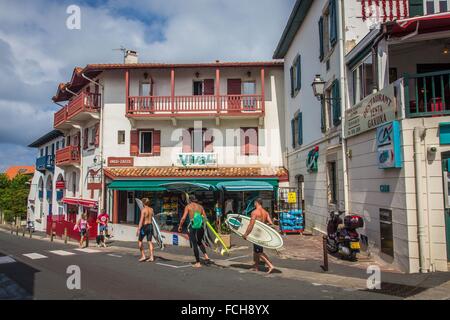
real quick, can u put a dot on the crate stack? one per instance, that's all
(291, 221)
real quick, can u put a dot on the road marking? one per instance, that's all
(62, 253)
(87, 250)
(166, 265)
(235, 258)
(6, 259)
(114, 255)
(35, 256)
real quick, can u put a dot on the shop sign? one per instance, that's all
(292, 197)
(312, 160)
(388, 146)
(120, 162)
(60, 185)
(188, 160)
(374, 110)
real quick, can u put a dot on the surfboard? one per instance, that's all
(156, 231)
(262, 234)
(216, 239)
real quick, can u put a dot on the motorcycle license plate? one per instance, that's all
(355, 245)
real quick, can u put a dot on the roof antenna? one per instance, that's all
(129, 56)
(124, 51)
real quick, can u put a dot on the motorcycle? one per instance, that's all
(30, 226)
(342, 236)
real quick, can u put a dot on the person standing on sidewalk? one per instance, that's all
(145, 230)
(102, 222)
(83, 227)
(197, 215)
(262, 215)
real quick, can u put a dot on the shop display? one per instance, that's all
(291, 221)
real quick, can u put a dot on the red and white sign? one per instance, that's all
(60, 185)
(81, 202)
(120, 162)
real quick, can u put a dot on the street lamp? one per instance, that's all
(318, 86)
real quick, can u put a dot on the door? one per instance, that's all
(249, 95)
(234, 95)
(386, 232)
(446, 184)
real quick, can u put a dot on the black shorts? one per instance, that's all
(257, 249)
(146, 231)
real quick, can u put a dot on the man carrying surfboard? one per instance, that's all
(262, 215)
(145, 230)
(196, 231)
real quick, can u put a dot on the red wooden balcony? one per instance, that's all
(191, 106)
(80, 108)
(68, 156)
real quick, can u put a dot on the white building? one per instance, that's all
(360, 50)
(132, 128)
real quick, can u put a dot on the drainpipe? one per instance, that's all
(419, 133)
(100, 140)
(343, 101)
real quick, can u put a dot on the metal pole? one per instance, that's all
(17, 230)
(51, 233)
(23, 232)
(30, 233)
(65, 235)
(325, 255)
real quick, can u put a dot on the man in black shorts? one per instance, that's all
(145, 230)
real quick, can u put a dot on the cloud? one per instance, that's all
(37, 51)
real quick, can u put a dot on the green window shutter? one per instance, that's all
(336, 104)
(291, 71)
(299, 75)
(333, 22)
(323, 126)
(300, 129)
(293, 132)
(415, 8)
(321, 38)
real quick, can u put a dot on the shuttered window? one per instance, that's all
(300, 129)
(145, 142)
(297, 130)
(293, 132)
(336, 103)
(194, 141)
(291, 73)
(249, 141)
(85, 138)
(321, 47)
(333, 22)
(323, 120)
(208, 87)
(415, 8)
(296, 76)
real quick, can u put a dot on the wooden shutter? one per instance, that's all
(157, 143)
(323, 125)
(415, 8)
(298, 85)
(336, 104)
(300, 129)
(321, 47)
(187, 140)
(249, 146)
(291, 73)
(208, 87)
(293, 132)
(333, 22)
(209, 140)
(97, 135)
(234, 86)
(134, 143)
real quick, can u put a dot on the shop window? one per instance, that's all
(145, 142)
(363, 79)
(249, 141)
(121, 137)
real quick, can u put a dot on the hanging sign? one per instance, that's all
(388, 146)
(369, 113)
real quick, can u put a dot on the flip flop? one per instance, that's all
(142, 259)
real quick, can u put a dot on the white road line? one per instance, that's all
(166, 265)
(114, 255)
(62, 253)
(35, 256)
(87, 250)
(6, 259)
(235, 258)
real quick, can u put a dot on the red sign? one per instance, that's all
(60, 185)
(120, 162)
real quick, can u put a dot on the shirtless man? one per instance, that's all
(145, 230)
(258, 252)
(195, 235)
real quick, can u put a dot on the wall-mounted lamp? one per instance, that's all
(249, 74)
(446, 49)
(197, 74)
(318, 86)
(145, 75)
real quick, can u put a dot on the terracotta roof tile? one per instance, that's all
(11, 172)
(173, 172)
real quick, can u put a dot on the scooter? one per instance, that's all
(342, 236)
(30, 226)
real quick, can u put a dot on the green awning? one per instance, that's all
(142, 185)
(188, 186)
(246, 185)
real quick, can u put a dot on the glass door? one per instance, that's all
(446, 184)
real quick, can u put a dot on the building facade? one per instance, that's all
(379, 84)
(133, 129)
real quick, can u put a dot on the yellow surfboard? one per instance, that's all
(218, 239)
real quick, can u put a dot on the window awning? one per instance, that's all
(245, 185)
(81, 202)
(142, 185)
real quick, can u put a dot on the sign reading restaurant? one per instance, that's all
(372, 111)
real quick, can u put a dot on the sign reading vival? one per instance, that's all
(372, 111)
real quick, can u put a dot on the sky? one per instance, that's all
(38, 51)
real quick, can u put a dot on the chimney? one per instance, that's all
(131, 57)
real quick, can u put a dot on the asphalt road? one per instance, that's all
(107, 275)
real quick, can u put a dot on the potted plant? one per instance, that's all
(225, 234)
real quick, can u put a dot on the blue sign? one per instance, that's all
(175, 239)
(388, 146)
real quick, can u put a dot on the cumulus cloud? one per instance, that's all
(37, 51)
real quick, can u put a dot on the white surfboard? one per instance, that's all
(156, 231)
(262, 234)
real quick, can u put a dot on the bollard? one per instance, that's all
(12, 229)
(65, 235)
(23, 232)
(51, 233)
(17, 230)
(87, 239)
(31, 233)
(325, 255)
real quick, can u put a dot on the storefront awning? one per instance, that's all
(420, 25)
(188, 186)
(245, 185)
(142, 185)
(81, 202)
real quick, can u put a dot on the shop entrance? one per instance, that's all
(446, 184)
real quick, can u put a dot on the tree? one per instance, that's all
(13, 197)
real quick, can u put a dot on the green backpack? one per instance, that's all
(197, 222)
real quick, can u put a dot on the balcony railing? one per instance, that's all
(196, 105)
(45, 163)
(84, 102)
(427, 94)
(67, 156)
